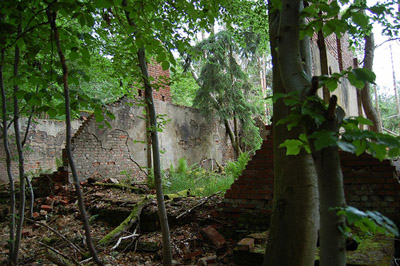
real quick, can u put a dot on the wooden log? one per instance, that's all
(127, 223)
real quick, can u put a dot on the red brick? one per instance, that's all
(212, 235)
(46, 208)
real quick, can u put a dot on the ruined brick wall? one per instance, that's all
(45, 142)
(249, 200)
(108, 152)
(368, 183)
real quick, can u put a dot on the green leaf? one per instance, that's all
(324, 139)
(354, 81)
(365, 75)
(377, 150)
(345, 146)
(165, 65)
(360, 145)
(363, 121)
(293, 146)
(360, 19)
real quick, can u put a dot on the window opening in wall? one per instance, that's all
(163, 98)
(140, 93)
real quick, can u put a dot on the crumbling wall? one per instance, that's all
(121, 149)
(43, 147)
(368, 184)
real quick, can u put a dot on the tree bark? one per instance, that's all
(89, 241)
(331, 194)
(369, 109)
(294, 222)
(324, 64)
(21, 208)
(167, 256)
(8, 160)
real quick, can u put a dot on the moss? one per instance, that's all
(373, 250)
(132, 218)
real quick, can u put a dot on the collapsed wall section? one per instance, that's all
(368, 184)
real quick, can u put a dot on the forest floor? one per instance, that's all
(107, 207)
(55, 236)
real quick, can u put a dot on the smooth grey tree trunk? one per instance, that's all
(295, 218)
(368, 107)
(331, 193)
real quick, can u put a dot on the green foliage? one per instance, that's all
(224, 86)
(369, 222)
(235, 168)
(183, 87)
(196, 179)
(310, 114)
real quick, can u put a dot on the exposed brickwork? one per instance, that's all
(162, 90)
(249, 199)
(368, 183)
(114, 160)
(44, 144)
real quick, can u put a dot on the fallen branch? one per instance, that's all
(180, 194)
(127, 223)
(202, 202)
(121, 186)
(57, 257)
(123, 238)
(59, 234)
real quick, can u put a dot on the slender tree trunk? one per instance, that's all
(378, 110)
(331, 193)
(89, 241)
(231, 137)
(324, 64)
(294, 222)
(28, 182)
(369, 109)
(167, 256)
(236, 128)
(21, 207)
(8, 161)
(148, 141)
(396, 94)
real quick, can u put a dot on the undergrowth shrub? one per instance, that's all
(235, 168)
(202, 182)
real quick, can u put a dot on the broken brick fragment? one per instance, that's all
(192, 254)
(207, 261)
(246, 244)
(47, 208)
(212, 235)
(35, 215)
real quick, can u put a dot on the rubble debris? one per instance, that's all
(213, 236)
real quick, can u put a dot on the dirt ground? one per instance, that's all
(107, 208)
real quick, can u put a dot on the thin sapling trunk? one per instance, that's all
(162, 212)
(89, 241)
(21, 207)
(11, 243)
